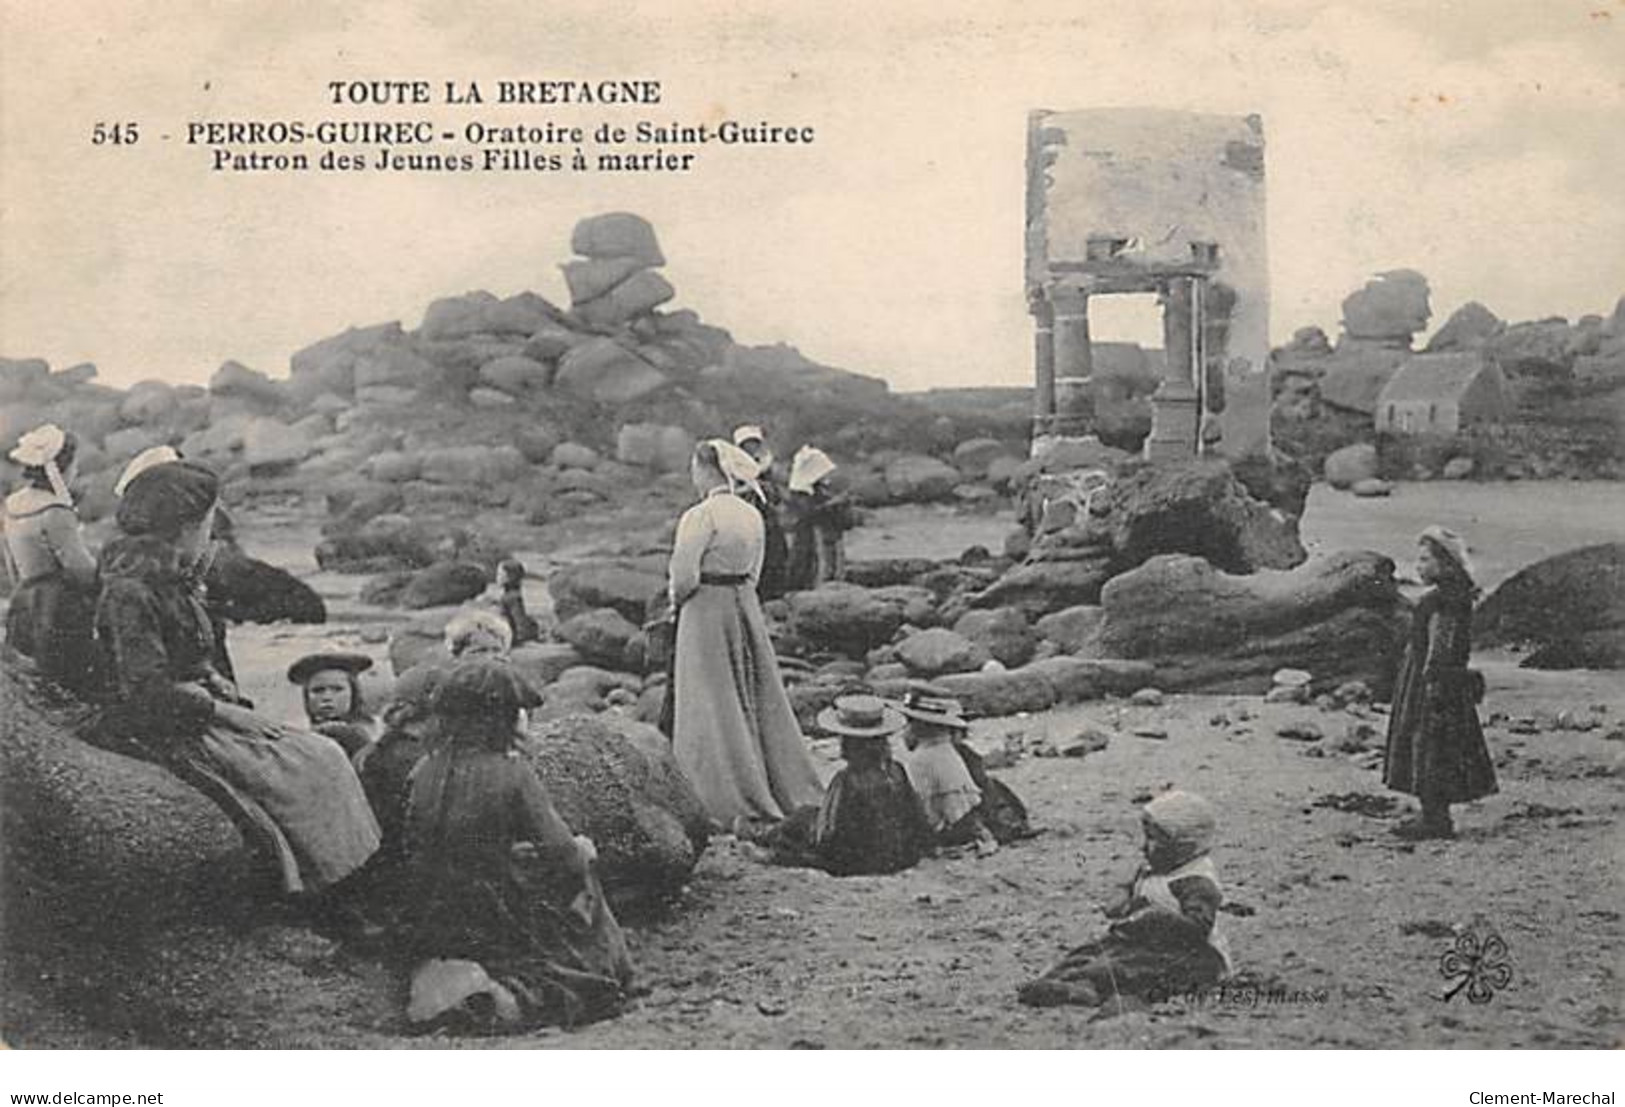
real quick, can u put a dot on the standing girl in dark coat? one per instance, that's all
(1436, 748)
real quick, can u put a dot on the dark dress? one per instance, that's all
(385, 768)
(520, 621)
(1436, 748)
(819, 519)
(1001, 810)
(1171, 950)
(775, 544)
(871, 821)
(495, 879)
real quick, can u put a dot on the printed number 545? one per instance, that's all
(115, 134)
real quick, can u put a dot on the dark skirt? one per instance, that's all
(1113, 966)
(52, 621)
(1001, 810)
(547, 936)
(1436, 747)
(871, 823)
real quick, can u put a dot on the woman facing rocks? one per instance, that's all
(734, 732)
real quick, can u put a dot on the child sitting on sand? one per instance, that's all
(953, 800)
(1164, 939)
(871, 821)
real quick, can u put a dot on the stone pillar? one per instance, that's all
(1043, 313)
(1175, 406)
(1074, 361)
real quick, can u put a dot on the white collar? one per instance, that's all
(29, 500)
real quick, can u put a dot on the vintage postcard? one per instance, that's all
(798, 526)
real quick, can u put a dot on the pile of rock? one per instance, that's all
(1566, 383)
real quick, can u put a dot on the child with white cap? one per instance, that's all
(1164, 938)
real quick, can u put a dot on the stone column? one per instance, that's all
(1175, 413)
(1043, 313)
(1074, 361)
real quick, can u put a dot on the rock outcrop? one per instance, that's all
(615, 780)
(1338, 617)
(1570, 608)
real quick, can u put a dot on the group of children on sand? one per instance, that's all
(882, 814)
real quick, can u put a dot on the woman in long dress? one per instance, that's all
(1436, 747)
(292, 793)
(503, 899)
(734, 732)
(53, 608)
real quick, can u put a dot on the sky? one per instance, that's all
(1477, 142)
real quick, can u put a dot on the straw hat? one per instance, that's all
(937, 710)
(860, 717)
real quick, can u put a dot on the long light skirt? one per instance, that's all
(735, 734)
(294, 796)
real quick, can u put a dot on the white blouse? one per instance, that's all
(720, 534)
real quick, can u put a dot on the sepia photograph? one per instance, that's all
(791, 526)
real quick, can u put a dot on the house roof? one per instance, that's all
(1432, 377)
(1354, 377)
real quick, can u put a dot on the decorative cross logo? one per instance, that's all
(1477, 962)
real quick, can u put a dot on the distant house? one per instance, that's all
(1441, 394)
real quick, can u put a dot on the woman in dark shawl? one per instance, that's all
(1436, 747)
(292, 794)
(499, 885)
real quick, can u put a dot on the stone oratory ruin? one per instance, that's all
(1126, 201)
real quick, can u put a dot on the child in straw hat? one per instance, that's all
(871, 820)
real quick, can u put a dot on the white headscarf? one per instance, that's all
(38, 449)
(808, 467)
(141, 462)
(739, 469)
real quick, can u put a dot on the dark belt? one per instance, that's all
(725, 579)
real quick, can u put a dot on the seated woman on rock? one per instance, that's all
(52, 612)
(507, 924)
(292, 793)
(332, 694)
(1164, 939)
(961, 810)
